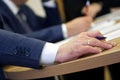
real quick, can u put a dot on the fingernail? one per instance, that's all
(114, 43)
(100, 50)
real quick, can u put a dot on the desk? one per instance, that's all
(105, 58)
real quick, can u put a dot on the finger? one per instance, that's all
(94, 34)
(89, 49)
(97, 43)
(112, 43)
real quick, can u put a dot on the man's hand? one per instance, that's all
(92, 10)
(78, 25)
(83, 44)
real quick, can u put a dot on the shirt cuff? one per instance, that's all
(48, 54)
(50, 3)
(64, 30)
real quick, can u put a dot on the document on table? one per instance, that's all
(109, 29)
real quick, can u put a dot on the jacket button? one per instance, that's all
(15, 51)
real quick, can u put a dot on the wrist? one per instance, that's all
(70, 29)
(60, 54)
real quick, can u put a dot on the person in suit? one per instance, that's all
(37, 27)
(76, 8)
(20, 50)
(9, 10)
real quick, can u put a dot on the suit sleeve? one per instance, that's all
(52, 34)
(19, 50)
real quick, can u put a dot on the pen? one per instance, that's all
(87, 6)
(100, 37)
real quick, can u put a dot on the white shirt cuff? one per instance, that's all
(49, 53)
(50, 3)
(64, 30)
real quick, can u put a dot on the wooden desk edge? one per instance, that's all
(90, 62)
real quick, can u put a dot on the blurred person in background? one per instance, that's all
(76, 8)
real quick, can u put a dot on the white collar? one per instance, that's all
(11, 6)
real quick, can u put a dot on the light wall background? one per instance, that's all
(37, 7)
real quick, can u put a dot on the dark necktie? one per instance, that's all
(22, 19)
(45, 0)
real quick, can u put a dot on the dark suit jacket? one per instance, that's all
(19, 50)
(36, 23)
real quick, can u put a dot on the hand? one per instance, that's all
(113, 9)
(92, 10)
(78, 25)
(83, 44)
